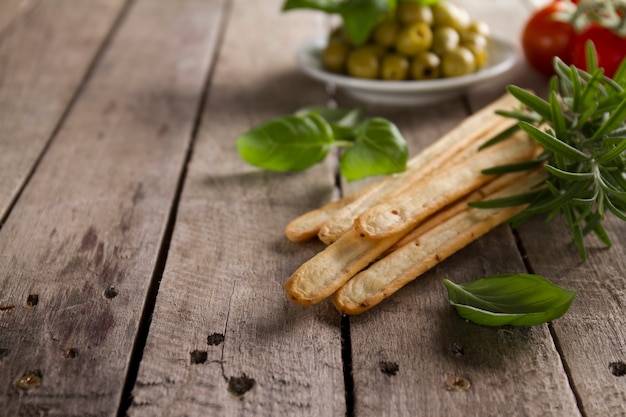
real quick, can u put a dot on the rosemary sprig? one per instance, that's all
(582, 129)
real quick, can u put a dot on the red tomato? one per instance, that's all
(610, 48)
(544, 38)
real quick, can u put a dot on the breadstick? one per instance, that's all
(457, 207)
(322, 275)
(468, 135)
(389, 274)
(331, 268)
(308, 225)
(406, 210)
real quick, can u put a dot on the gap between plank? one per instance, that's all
(346, 358)
(555, 339)
(567, 369)
(150, 302)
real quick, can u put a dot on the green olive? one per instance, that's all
(457, 62)
(414, 38)
(377, 50)
(445, 39)
(334, 56)
(408, 12)
(479, 27)
(386, 33)
(363, 62)
(477, 44)
(449, 14)
(395, 67)
(425, 66)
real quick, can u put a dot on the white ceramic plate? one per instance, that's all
(502, 56)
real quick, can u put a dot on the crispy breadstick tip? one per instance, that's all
(306, 226)
(326, 272)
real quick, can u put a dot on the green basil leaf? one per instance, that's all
(360, 16)
(327, 6)
(290, 143)
(342, 121)
(510, 299)
(351, 118)
(344, 127)
(338, 116)
(378, 149)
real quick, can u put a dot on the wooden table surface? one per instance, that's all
(142, 261)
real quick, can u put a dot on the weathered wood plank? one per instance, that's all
(592, 334)
(408, 352)
(78, 253)
(10, 10)
(44, 56)
(221, 297)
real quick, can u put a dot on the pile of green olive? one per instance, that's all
(417, 42)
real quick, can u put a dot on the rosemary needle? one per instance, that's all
(582, 129)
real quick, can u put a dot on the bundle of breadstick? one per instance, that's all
(386, 235)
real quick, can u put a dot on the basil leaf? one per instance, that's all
(378, 149)
(290, 143)
(328, 6)
(510, 299)
(338, 116)
(360, 16)
(342, 121)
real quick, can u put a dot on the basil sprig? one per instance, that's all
(516, 300)
(359, 16)
(582, 129)
(371, 146)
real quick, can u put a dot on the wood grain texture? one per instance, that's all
(79, 250)
(77, 255)
(592, 335)
(12, 10)
(44, 55)
(221, 317)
